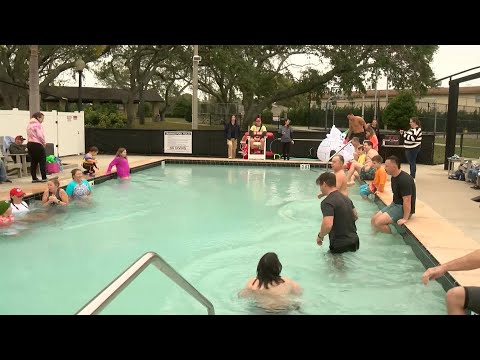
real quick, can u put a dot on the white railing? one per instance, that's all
(100, 301)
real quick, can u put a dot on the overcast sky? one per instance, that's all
(451, 59)
(448, 60)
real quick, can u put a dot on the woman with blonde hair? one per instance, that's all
(371, 136)
(54, 194)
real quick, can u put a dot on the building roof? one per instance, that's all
(90, 94)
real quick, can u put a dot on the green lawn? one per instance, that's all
(468, 140)
(439, 155)
(182, 124)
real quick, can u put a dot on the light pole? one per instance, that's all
(196, 60)
(79, 66)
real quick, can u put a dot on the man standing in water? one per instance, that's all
(356, 127)
(341, 184)
(339, 216)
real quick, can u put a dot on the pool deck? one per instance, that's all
(445, 213)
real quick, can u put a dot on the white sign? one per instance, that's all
(177, 142)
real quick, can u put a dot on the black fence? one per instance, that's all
(211, 143)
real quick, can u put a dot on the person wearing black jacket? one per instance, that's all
(232, 133)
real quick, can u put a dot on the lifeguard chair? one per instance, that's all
(255, 153)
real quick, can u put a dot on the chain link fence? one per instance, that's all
(220, 113)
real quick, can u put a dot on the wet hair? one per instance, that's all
(119, 151)
(38, 115)
(268, 270)
(341, 158)
(368, 142)
(377, 159)
(74, 171)
(395, 159)
(327, 177)
(93, 149)
(56, 182)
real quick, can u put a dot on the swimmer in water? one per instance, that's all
(272, 292)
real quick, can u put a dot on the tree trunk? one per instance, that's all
(141, 105)
(130, 110)
(34, 83)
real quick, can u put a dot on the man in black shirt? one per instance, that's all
(339, 216)
(404, 196)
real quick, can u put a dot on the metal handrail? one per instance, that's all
(104, 297)
(343, 147)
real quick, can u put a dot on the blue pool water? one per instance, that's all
(212, 224)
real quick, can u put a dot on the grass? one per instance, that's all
(182, 124)
(439, 154)
(467, 140)
(469, 152)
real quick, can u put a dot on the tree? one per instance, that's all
(172, 78)
(52, 61)
(183, 105)
(132, 67)
(260, 75)
(398, 112)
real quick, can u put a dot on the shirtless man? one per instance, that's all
(337, 167)
(356, 127)
(364, 172)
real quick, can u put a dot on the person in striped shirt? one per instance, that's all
(412, 142)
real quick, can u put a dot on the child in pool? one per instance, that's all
(120, 161)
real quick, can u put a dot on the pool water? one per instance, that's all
(212, 224)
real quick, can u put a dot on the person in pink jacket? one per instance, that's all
(121, 163)
(36, 147)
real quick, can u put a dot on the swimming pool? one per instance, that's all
(212, 224)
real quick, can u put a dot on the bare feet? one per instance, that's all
(350, 183)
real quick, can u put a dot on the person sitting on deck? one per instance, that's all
(378, 183)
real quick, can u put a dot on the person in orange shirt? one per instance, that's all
(370, 135)
(378, 183)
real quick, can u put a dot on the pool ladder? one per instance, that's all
(104, 297)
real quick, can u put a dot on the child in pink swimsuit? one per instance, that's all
(121, 163)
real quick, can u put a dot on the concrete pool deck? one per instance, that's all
(445, 223)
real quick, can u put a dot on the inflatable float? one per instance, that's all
(333, 143)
